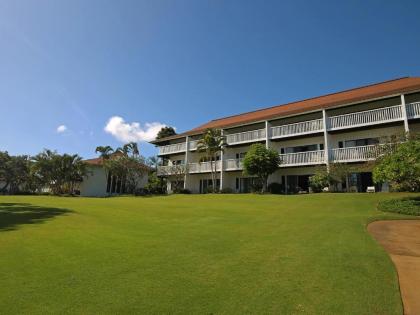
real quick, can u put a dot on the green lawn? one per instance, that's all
(221, 254)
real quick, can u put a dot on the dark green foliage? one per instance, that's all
(227, 190)
(261, 162)
(409, 205)
(319, 180)
(212, 143)
(165, 132)
(156, 185)
(276, 188)
(400, 166)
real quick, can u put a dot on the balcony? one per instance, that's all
(247, 136)
(302, 158)
(296, 129)
(413, 110)
(193, 145)
(234, 165)
(172, 148)
(356, 154)
(203, 167)
(171, 169)
(365, 118)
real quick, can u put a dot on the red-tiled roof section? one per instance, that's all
(349, 96)
(96, 161)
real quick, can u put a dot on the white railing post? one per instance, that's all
(222, 165)
(186, 160)
(326, 139)
(267, 134)
(404, 114)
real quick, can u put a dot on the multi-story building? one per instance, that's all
(343, 127)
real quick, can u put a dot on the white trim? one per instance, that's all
(404, 114)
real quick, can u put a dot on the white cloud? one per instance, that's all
(127, 132)
(61, 128)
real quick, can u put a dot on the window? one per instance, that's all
(301, 148)
(359, 142)
(240, 155)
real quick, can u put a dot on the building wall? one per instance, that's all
(380, 132)
(95, 184)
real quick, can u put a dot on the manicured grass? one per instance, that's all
(221, 254)
(409, 206)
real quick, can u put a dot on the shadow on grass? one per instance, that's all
(14, 214)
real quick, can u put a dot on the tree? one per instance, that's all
(104, 151)
(261, 162)
(130, 148)
(156, 184)
(212, 143)
(166, 131)
(128, 166)
(14, 172)
(399, 165)
(60, 173)
(320, 180)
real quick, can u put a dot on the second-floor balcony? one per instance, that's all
(296, 129)
(356, 154)
(204, 167)
(172, 148)
(365, 118)
(413, 110)
(245, 137)
(302, 158)
(233, 165)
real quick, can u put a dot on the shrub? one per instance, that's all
(227, 190)
(185, 191)
(141, 192)
(319, 180)
(410, 206)
(276, 188)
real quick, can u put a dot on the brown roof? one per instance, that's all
(396, 86)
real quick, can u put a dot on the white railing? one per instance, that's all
(368, 117)
(413, 110)
(203, 167)
(355, 154)
(247, 136)
(233, 164)
(300, 128)
(193, 145)
(302, 158)
(171, 169)
(172, 148)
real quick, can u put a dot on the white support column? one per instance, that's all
(222, 165)
(267, 134)
(404, 113)
(187, 152)
(326, 139)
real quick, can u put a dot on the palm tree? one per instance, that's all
(212, 143)
(105, 154)
(105, 151)
(130, 147)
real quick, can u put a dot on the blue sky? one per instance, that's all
(76, 64)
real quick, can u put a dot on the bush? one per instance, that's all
(276, 188)
(227, 190)
(410, 206)
(319, 181)
(184, 191)
(141, 192)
